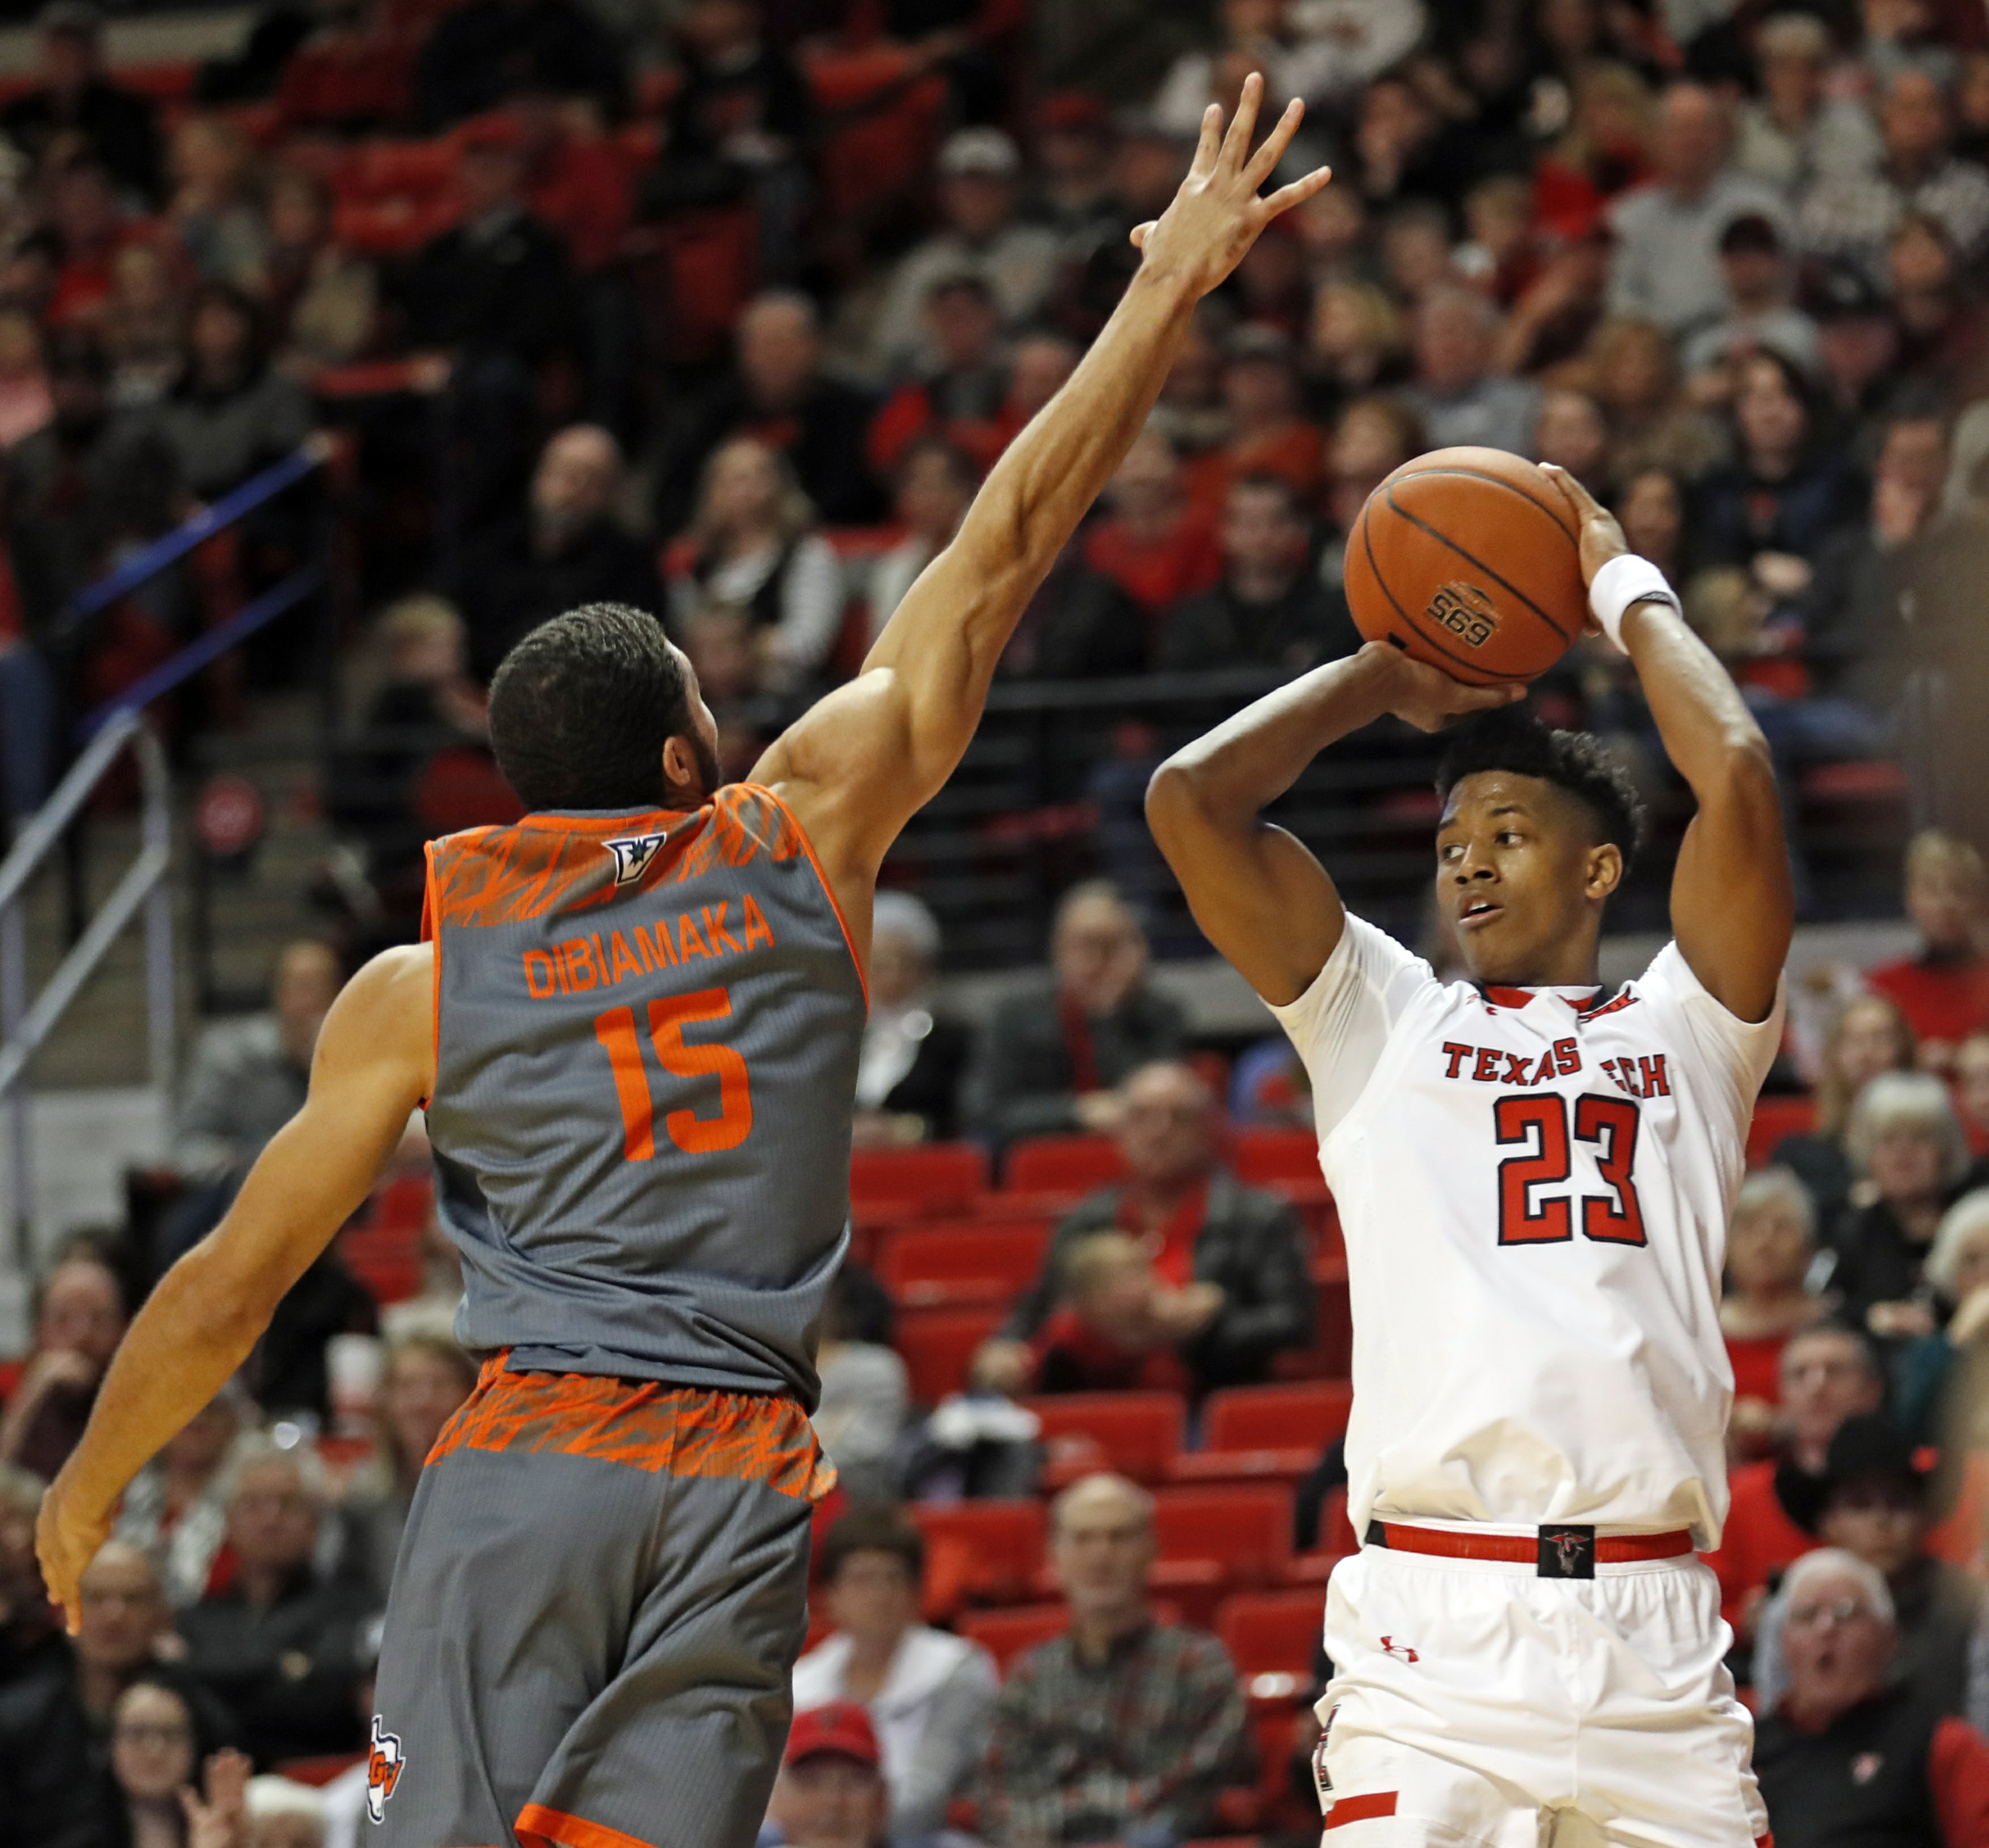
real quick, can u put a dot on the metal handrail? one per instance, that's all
(25, 1025)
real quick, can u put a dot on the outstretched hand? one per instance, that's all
(1601, 532)
(66, 1538)
(1217, 215)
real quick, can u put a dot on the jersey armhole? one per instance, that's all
(431, 934)
(828, 890)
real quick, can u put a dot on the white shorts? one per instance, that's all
(1477, 1703)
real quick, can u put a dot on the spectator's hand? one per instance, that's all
(1782, 575)
(1100, 1112)
(1899, 1320)
(1427, 697)
(1217, 215)
(218, 1816)
(1001, 1366)
(1184, 1313)
(57, 1367)
(1601, 532)
(66, 1538)
(1971, 1320)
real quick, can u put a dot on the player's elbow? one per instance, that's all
(1743, 774)
(1173, 805)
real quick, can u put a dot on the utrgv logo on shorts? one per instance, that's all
(633, 854)
(384, 1764)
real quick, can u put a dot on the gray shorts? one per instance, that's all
(597, 1603)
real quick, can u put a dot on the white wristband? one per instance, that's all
(1621, 582)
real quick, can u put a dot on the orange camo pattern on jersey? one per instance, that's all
(487, 876)
(644, 1425)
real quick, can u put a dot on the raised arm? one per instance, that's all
(1257, 891)
(862, 761)
(1732, 902)
(374, 1064)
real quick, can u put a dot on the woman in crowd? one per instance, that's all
(1869, 1036)
(1910, 1152)
(931, 1695)
(1771, 1242)
(908, 1079)
(1636, 375)
(232, 412)
(323, 299)
(217, 208)
(169, 1786)
(936, 480)
(1653, 510)
(176, 1509)
(1942, 1379)
(423, 1380)
(753, 547)
(1355, 344)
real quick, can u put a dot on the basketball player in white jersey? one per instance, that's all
(1533, 1176)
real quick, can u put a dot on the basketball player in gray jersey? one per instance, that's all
(634, 1027)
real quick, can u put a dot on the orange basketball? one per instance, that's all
(1468, 559)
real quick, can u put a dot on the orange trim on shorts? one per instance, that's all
(539, 1827)
(1358, 1808)
(644, 1424)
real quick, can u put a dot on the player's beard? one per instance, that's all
(710, 773)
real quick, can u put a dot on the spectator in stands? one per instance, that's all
(1870, 1035)
(1943, 990)
(1232, 1257)
(280, 1645)
(170, 1781)
(909, 1077)
(1651, 508)
(1267, 432)
(1572, 434)
(860, 1417)
(423, 1380)
(232, 412)
(479, 53)
(176, 1509)
(960, 397)
(1154, 543)
(1943, 331)
(1125, 1728)
(979, 169)
(1829, 1373)
(1795, 133)
(936, 481)
(1406, 152)
(1942, 1379)
(79, 1321)
(91, 225)
(1049, 1060)
(25, 404)
(753, 549)
(1270, 609)
(77, 103)
(1761, 311)
(739, 129)
(563, 547)
(577, 183)
(1908, 1146)
(1871, 1499)
(1651, 424)
(143, 325)
(217, 211)
(126, 1628)
(929, 1695)
(1851, 217)
(1665, 266)
(830, 1791)
(1456, 395)
(1771, 1244)
(1112, 1325)
(778, 393)
(323, 298)
(1073, 194)
(1355, 342)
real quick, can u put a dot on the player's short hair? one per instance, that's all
(581, 708)
(873, 1530)
(1577, 762)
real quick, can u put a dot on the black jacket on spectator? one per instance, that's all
(1023, 1079)
(1876, 1262)
(931, 1088)
(1079, 626)
(504, 287)
(291, 1673)
(766, 96)
(1219, 629)
(286, 1369)
(1251, 1243)
(121, 128)
(505, 588)
(1822, 1166)
(821, 437)
(220, 438)
(1856, 623)
(480, 53)
(48, 1767)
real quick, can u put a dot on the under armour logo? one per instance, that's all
(634, 855)
(384, 1766)
(1401, 1651)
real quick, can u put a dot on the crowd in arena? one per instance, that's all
(596, 312)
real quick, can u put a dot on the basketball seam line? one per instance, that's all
(1498, 480)
(1478, 564)
(1414, 627)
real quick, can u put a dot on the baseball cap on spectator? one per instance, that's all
(1869, 1448)
(1753, 231)
(1844, 293)
(983, 153)
(837, 1728)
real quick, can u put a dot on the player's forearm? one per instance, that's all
(1708, 733)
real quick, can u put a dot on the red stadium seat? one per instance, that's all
(1271, 1633)
(937, 1345)
(924, 1182)
(1138, 1434)
(1006, 1634)
(1269, 1430)
(925, 1267)
(1070, 1165)
(980, 1552)
(1264, 1157)
(1245, 1532)
(1774, 1118)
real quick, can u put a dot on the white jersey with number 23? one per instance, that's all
(1534, 1186)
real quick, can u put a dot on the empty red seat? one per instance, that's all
(1006, 1634)
(980, 1552)
(921, 1183)
(1774, 1118)
(1264, 1157)
(1267, 1431)
(1272, 1633)
(937, 1345)
(961, 1264)
(1070, 1165)
(1138, 1434)
(1244, 1530)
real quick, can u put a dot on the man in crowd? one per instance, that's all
(1456, 395)
(476, 54)
(77, 101)
(1124, 1728)
(1270, 610)
(1852, 1756)
(79, 1319)
(1230, 1259)
(1049, 1059)
(831, 1792)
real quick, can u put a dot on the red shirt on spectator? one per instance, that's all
(1174, 1261)
(1072, 1357)
(580, 187)
(1760, 1540)
(1757, 1365)
(1295, 452)
(1944, 1001)
(1186, 562)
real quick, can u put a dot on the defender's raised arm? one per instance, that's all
(859, 764)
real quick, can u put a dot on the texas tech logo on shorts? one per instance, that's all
(1466, 611)
(383, 1770)
(633, 854)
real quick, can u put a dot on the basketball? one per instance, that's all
(1469, 559)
